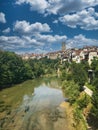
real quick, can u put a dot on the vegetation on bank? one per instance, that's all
(74, 77)
(14, 70)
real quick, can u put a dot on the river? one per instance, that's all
(39, 110)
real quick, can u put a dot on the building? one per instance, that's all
(92, 54)
(63, 46)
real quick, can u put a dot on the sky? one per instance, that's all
(40, 26)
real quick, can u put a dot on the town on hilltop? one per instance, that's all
(74, 54)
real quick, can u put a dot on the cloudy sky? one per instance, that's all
(40, 26)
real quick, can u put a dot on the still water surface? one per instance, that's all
(41, 110)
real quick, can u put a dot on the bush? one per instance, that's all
(71, 89)
(83, 101)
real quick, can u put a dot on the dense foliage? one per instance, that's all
(14, 70)
(73, 77)
(79, 74)
(94, 66)
(71, 90)
(76, 72)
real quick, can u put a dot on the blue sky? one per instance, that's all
(40, 26)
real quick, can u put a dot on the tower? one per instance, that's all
(63, 46)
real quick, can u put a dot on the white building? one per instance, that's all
(91, 56)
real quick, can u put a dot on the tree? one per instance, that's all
(79, 74)
(28, 73)
(63, 75)
(71, 89)
(94, 67)
(94, 110)
(94, 63)
(13, 69)
(83, 101)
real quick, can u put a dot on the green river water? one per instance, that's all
(34, 105)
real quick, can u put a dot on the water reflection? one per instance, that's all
(41, 110)
(43, 97)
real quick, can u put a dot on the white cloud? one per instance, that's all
(43, 43)
(36, 5)
(86, 19)
(25, 28)
(8, 40)
(58, 6)
(80, 41)
(38, 42)
(69, 6)
(2, 18)
(50, 38)
(19, 44)
(55, 21)
(7, 30)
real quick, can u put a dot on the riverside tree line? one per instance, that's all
(74, 76)
(14, 70)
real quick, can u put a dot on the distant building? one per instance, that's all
(75, 54)
(92, 54)
(52, 55)
(63, 46)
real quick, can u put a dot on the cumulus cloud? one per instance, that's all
(31, 37)
(25, 28)
(8, 40)
(50, 38)
(2, 18)
(70, 6)
(80, 41)
(36, 5)
(86, 19)
(18, 44)
(43, 43)
(38, 42)
(7, 30)
(58, 6)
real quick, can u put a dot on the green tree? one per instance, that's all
(28, 73)
(71, 89)
(79, 74)
(63, 75)
(94, 110)
(83, 101)
(12, 69)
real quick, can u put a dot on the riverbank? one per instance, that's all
(71, 119)
(48, 94)
(44, 111)
(69, 114)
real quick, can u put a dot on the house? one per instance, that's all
(92, 54)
